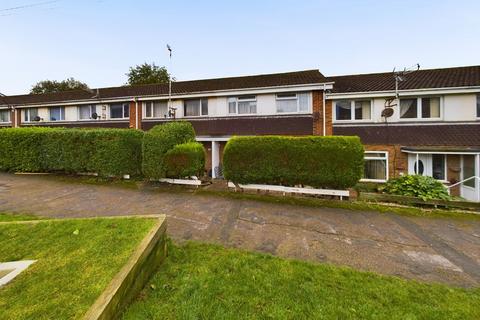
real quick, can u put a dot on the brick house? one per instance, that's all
(434, 129)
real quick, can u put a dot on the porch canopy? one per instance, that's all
(442, 150)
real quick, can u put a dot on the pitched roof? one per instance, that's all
(426, 135)
(178, 87)
(422, 79)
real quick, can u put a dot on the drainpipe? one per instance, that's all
(324, 117)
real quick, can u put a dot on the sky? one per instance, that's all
(96, 41)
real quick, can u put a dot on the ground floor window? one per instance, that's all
(376, 166)
(468, 170)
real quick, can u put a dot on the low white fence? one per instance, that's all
(266, 187)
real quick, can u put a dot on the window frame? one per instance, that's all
(352, 111)
(478, 106)
(297, 98)
(90, 106)
(9, 116)
(152, 103)
(200, 108)
(365, 158)
(29, 115)
(123, 111)
(62, 113)
(237, 99)
(445, 167)
(420, 109)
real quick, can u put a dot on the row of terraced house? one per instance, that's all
(434, 129)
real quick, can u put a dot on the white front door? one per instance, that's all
(470, 189)
(423, 167)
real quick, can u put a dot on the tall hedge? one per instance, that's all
(185, 160)
(108, 152)
(321, 162)
(158, 141)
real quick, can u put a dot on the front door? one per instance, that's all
(470, 167)
(423, 167)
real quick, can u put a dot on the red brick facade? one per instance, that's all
(318, 116)
(135, 113)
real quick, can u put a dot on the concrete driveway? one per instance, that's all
(433, 250)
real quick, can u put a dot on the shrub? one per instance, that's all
(185, 160)
(425, 188)
(108, 152)
(158, 141)
(322, 162)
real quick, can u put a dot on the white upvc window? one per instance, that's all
(4, 115)
(120, 110)
(195, 107)
(353, 110)
(292, 102)
(156, 109)
(376, 166)
(242, 105)
(56, 113)
(87, 112)
(478, 105)
(31, 114)
(420, 108)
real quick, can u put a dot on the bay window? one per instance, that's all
(292, 102)
(376, 166)
(348, 110)
(86, 112)
(420, 108)
(242, 105)
(56, 113)
(30, 114)
(156, 109)
(195, 107)
(4, 115)
(120, 110)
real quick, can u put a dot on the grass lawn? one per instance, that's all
(76, 261)
(7, 217)
(200, 281)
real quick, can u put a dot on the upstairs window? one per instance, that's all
(156, 109)
(86, 112)
(195, 107)
(57, 113)
(120, 111)
(348, 110)
(242, 105)
(31, 114)
(420, 108)
(4, 115)
(478, 105)
(292, 102)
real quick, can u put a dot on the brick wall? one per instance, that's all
(134, 114)
(317, 105)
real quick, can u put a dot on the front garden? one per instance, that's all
(201, 281)
(75, 261)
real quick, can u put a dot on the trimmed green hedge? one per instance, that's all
(185, 160)
(321, 162)
(158, 141)
(108, 152)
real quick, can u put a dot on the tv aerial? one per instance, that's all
(399, 76)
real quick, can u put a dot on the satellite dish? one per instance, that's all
(387, 112)
(37, 118)
(94, 116)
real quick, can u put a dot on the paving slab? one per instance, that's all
(427, 249)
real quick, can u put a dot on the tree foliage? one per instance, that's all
(52, 86)
(147, 74)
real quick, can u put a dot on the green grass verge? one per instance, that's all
(348, 205)
(73, 267)
(200, 281)
(6, 217)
